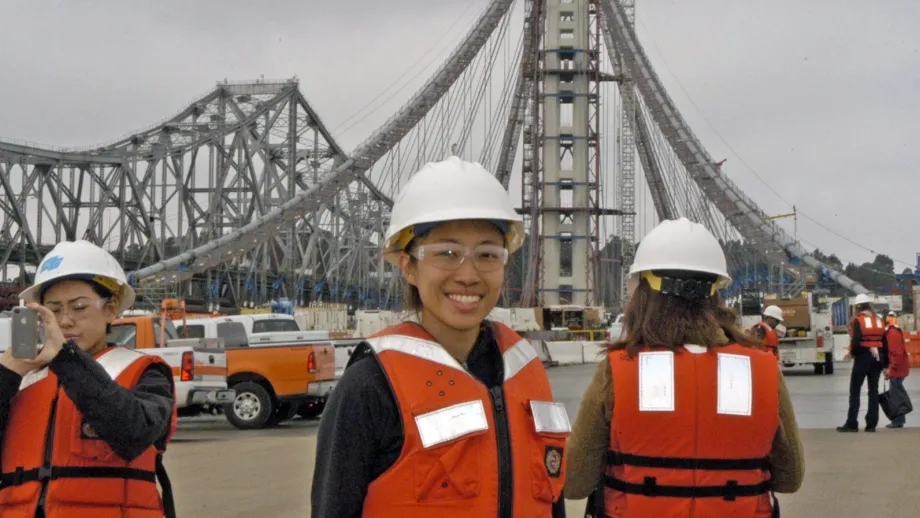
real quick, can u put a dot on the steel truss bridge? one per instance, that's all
(244, 196)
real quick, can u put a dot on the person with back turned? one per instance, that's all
(84, 425)
(869, 351)
(452, 416)
(686, 415)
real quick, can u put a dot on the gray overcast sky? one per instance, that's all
(819, 101)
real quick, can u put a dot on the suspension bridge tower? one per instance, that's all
(561, 181)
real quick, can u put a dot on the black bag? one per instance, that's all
(895, 402)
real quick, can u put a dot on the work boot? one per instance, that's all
(846, 428)
(872, 430)
(892, 425)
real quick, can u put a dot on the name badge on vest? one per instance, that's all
(553, 460)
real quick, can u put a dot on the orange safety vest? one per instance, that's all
(871, 328)
(76, 471)
(463, 441)
(692, 432)
(770, 339)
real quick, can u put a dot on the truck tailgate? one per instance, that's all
(325, 362)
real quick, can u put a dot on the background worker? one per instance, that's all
(892, 318)
(867, 347)
(765, 330)
(83, 426)
(896, 364)
(453, 416)
(685, 386)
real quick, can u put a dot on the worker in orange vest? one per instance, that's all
(765, 330)
(867, 346)
(684, 417)
(84, 424)
(452, 415)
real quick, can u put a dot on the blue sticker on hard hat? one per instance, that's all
(51, 263)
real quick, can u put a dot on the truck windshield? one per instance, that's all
(124, 335)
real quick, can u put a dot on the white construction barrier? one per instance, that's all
(573, 353)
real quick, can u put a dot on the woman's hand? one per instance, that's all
(54, 338)
(54, 342)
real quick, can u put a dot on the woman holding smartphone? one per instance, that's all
(83, 425)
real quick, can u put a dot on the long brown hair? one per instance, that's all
(655, 320)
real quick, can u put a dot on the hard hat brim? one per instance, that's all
(31, 294)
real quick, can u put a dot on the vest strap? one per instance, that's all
(650, 488)
(169, 504)
(21, 476)
(615, 458)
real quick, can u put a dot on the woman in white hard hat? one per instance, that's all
(84, 425)
(686, 415)
(452, 416)
(868, 348)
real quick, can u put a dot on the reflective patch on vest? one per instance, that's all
(656, 381)
(550, 417)
(736, 388)
(517, 357)
(33, 378)
(451, 422)
(117, 359)
(553, 461)
(417, 347)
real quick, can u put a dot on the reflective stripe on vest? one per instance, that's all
(514, 359)
(114, 361)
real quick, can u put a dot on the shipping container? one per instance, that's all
(839, 312)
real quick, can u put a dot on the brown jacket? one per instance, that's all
(590, 439)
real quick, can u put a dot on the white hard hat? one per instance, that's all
(773, 311)
(892, 314)
(780, 330)
(679, 245)
(86, 261)
(862, 298)
(451, 190)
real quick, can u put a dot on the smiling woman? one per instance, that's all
(452, 416)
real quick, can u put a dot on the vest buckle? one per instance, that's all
(44, 473)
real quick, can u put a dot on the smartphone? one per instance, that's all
(25, 334)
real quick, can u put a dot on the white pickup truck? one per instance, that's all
(199, 366)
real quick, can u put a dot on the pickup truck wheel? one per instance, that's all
(252, 408)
